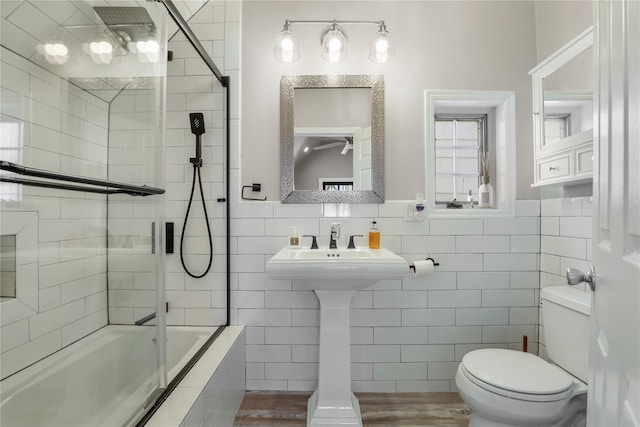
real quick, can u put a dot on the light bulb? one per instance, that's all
(334, 56)
(55, 52)
(285, 48)
(153, 46)
(287, 44)
(49, 49)
(381, 49)
(105, 47)
(60, 49)
(334, 44)
(382, 45)
(141, 47)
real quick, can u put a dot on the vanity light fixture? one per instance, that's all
(334, 42)
(286, 45)
(382, 50)
(55, 52)
(55, 49)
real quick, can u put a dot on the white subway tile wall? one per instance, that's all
(191, 87)
(407, 335)
(565, 242)
(50, 124)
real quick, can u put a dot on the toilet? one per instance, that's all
(513, 388)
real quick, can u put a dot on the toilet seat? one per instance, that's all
(517, 375)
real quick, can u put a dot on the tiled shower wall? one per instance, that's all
(565, 229)
(134, 123)
(191, 87)
(407, 335)
(62, 129)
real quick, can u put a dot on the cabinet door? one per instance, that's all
(584, 161)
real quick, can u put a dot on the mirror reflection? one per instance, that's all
(332, 139)
(332, 146)
(568, 98)
(7, 266)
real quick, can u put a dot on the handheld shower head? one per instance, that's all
(197, 128)
(197, 123)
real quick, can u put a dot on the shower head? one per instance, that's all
(197, 128)
(197, 123)
(136, 18)
(127, 24)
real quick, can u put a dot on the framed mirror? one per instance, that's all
(332, 139)
(563, 96)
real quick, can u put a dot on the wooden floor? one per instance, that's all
(289, 409)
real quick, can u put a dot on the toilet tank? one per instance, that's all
(566, 313)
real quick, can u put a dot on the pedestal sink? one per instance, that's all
(335, 275)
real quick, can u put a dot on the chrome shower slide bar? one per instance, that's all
(101, 186)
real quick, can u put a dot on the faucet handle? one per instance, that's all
(314, 242)
(352, 245)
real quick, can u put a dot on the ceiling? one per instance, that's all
(28, 25)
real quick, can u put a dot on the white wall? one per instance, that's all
(559, 21)
(439, 45)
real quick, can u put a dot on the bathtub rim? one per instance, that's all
(151, 410)
(204, 333)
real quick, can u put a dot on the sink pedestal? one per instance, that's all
(333, 403)
(335, 275)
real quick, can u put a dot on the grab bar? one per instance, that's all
(112, 186)
(151, 316)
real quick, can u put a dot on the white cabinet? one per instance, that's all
(563, 114)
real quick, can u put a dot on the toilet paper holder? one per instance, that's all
(413, 267)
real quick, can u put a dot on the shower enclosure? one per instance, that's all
(85, 301)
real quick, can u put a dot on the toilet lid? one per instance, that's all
(516, 371)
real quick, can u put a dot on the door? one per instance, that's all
(362, 159)
(614, 383)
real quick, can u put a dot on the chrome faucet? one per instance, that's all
(335, 234)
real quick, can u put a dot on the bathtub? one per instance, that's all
(101, 380)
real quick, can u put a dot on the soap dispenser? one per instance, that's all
(294, 239)
(374, 237)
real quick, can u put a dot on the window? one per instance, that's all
(460, 140)
(556, 127)
(462, 129)
(330, 185)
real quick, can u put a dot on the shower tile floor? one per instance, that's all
(289, 409)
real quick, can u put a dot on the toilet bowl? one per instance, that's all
(512, 388)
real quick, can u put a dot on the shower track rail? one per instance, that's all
(101, 186)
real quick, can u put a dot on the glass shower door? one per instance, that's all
(83, 95)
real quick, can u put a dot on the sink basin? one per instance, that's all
(335, 275)
(336, 268)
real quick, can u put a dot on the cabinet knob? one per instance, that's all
(552, 168)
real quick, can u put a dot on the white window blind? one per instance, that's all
(460, 141)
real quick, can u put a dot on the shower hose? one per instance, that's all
(196, 171)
